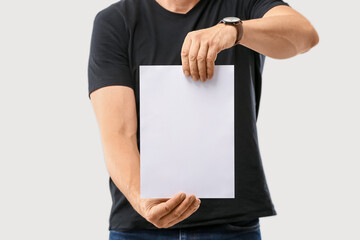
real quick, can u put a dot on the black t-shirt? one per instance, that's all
(130, 33)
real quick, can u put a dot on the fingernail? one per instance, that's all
(182, 196)
(187, 73)
(202, 79)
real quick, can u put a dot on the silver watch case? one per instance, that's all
(230, 20)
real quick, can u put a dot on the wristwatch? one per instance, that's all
(237, 23)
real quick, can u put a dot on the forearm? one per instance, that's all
(123, 164)
(280, 37)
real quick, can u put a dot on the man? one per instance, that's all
(130, 33)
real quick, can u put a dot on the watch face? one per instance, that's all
(232, 19)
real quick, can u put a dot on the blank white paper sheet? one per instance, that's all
(186, 133)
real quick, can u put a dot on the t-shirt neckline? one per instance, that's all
(170, 13)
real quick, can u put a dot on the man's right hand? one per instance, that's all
(166, 212)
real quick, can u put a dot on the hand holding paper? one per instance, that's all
(164, 213)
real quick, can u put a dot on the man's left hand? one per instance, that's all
(200, 49)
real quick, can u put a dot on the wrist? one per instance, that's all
(236, 24)
(229, 33)
(232, 32)
(133, 196)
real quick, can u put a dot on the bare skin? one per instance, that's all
(281, 33)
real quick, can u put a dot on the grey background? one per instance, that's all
(53, 180)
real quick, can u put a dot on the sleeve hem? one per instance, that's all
(265, 10)
(107, 84)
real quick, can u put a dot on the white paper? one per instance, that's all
(186, 133)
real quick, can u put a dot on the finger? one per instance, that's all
(185, 56)
(189, 211)
(157, 200)
(166, 207)
(210, 61)
(178, 211)
(201, 61)
(194, 49)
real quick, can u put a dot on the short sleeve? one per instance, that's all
(108, 59)
(258, 8)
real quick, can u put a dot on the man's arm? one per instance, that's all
(115, 111)
(281, 33)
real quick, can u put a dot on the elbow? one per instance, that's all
(316, 38)
(129, 132)
(307, 39)
(311, 39)
(303, 38)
